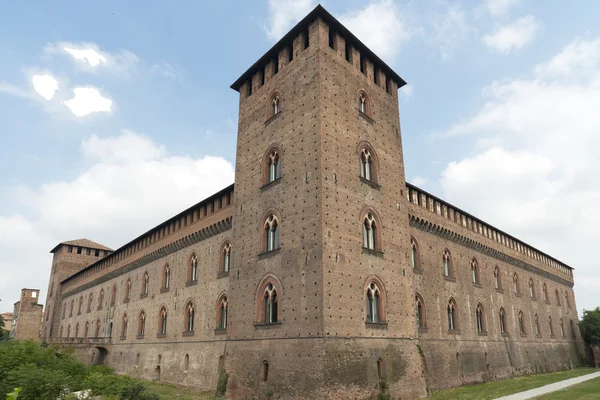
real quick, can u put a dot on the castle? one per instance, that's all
(322, 271)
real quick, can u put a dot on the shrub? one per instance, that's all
(222, 384)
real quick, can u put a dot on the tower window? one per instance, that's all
(249, 87)
(275, 105)
(497, 279)
(521, 323)
(331, 38)
(376, 76)
(479, 318)
(502, 316)
(193, 269)
(276, 64)
(474, 272)
(421, 312)
(306, 38)
(363, 67)
(447, 264)
(291, 52)
(222, 322)
(163, 321)
(452, 316)
(414, 253)
(226, 257)
(270, 303)
(189, 317)
(271, 228)
(369, 232)
(348, 51)
(374, 304)
(273, 166)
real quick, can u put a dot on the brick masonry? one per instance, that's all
(321, 345)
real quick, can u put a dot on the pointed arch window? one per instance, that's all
(479, 317)
(69, 331)
(452, 316)
(271, 304)
(124, 329)
(370, 232)
(474, 272)
(97, 334)
(271, 229)
(80, 306)
(502, 317)
(536, 323)
(273, 166)
(516, 284)
(550, 327)
(189, 317)
(162, 321)
(90, 300)
(167, 277)
(146, 284)
(86, 329)
(366, 164)
(497, 279)
(100, 299)
(374, 314)
(421, 312)
(142, 324)
(545, 291)
(223, 310)
(127, 290)
(77, 330)
(193, 269)
(226, 257)
(113, 296)
(521, 324)
(275, 105)
(557, 298)
(71, 308)
(363, 103)
(414, 254)
(447, 263)
(562, 328)
(531, 288)
(567, 300)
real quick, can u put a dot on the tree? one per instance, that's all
(590, 326)
(3, 332)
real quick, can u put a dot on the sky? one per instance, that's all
(114, 115)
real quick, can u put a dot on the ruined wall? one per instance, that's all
(27, 316)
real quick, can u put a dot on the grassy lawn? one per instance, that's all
(492, 390)
(589, 390)
(172, 392)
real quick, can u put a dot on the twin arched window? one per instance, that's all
(271, 232)
(447, 263)
(374, 304)
(370, 232)
(193, 269)
(531, 289)
(545, 291)
(222, 313)
(502, 317)
(167, 277)
(536, 323)
(452, 315)
(226, 257)
(275, 105)
(90, 300)
(516, 284)
(557, 298)
(113, 296)
(497, 279)
(124, 330)
(273, 166)
(146, 284)
(562, 328)
(521, 324)
(270, 304)
(86, 329)
(479, 317)
(128, 290)
(142, 323)
(364, 105)
(414, 253)
(474, 271)
(71, 309)
(97, 328)
(189, 317)
(101, 299)
(80, 305)
(421, 312)
(550, 327)
(366, 164)
(162, 319)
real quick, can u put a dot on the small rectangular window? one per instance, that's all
(388, 87)
(276, 62)
(376, 76)
(348, 52)
(97, 253)
(250, 87)
(79, 250)
(262, 77)
(363, 69)
(331, 38)
(291, 52)
(70, 249)
(306, 38)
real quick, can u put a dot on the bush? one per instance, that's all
(590, 326)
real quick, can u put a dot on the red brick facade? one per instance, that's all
(335, 265)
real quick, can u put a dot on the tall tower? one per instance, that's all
(27, 316)
(323, 294)
(69, 257)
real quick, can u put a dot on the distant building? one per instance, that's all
(27, 316)
(8, 318)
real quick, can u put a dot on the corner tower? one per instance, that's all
(321, 285)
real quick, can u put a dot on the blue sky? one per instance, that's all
(116, 115)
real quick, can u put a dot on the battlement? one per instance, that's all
(206, 208)
(440, 207)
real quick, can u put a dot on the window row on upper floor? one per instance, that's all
(449, 272)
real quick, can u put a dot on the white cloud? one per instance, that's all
(513, 36)
(112, 200)
(88, 100)
(538, 179)
(283, 14)
(449, 27)
(500, 7)
(45, 85)
(91, 56)
(381, 26)
(418, 181)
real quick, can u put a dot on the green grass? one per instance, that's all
(173, 392)
(492, 390)
(589, 390)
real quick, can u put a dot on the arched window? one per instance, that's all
(127, 290)
(536, 323)
(97, 334)
(186, 362)
(61, 331)
(479, 316)
(531, 289)
(162, 321)
(414, 254)
(64, 313)
(71, 308)
(226, 257)
(572, 325)
(502, 317)
(124, 330)
(86, 329)
(421, 312)
(366, 164)
(521, 324)
(166, 277)
(113, 296)
(374, 304)
(80, 305)
(497, 279)
(474, 271)
(447, 263)
(275, 105)
(562, 328)
(452, 316)
(101, 299)
(516, 284)
(142, 324)
(90, 299)
(77, 330)
(370, 232)
(545, 290)
(69, 331)
(273, 166)
(193, 268)
(567, 300)
(271, 229)
(550, 327)
(363, 104)
(145, 284)
(189, 317)
(270, 304)
(557, 298)
(222, 313)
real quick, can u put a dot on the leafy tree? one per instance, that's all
(590, 326)
(3, 332)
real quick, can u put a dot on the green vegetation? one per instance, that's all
(3, 332)
(584, 391)
(493, 390)
(222, 384)
(590, 326)
(45, 373)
